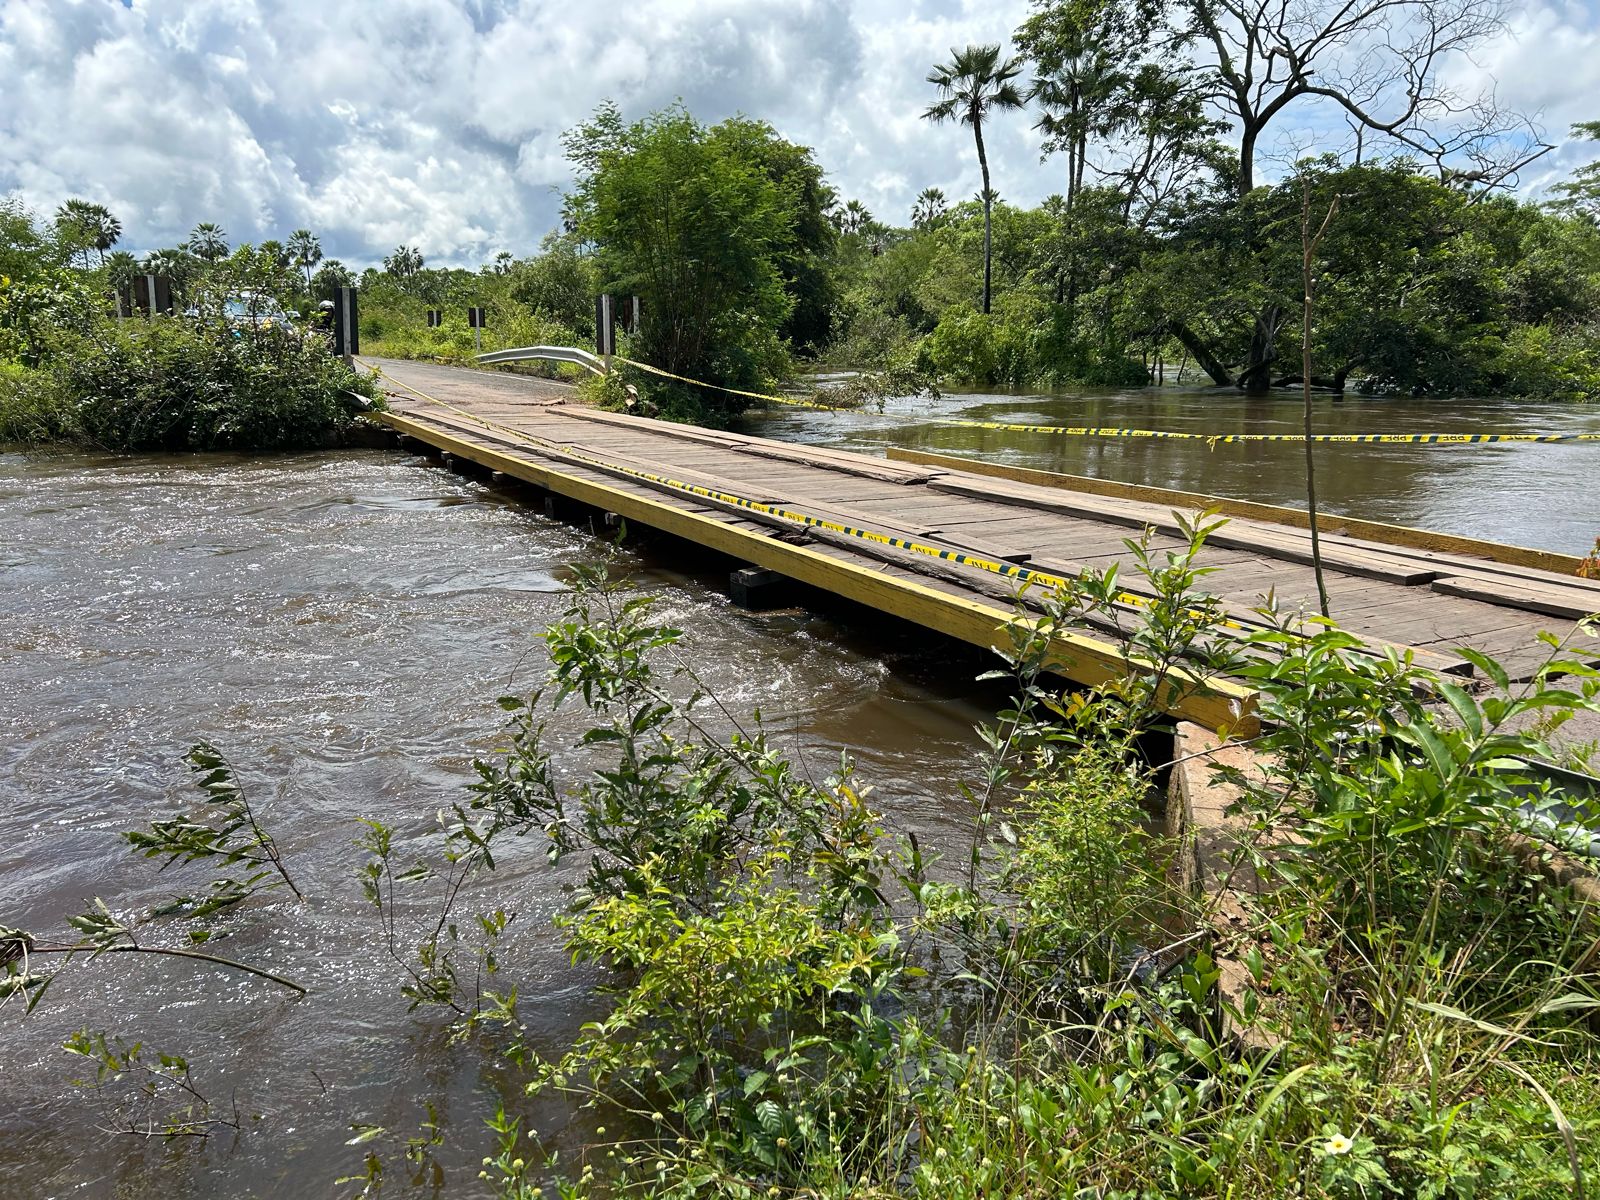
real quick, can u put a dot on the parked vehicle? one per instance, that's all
(244, 310)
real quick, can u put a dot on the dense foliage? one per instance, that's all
(720, 232)
(229, 370)
(804, 1003)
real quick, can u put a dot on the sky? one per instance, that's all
(437, 123)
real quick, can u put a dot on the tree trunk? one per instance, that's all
(988, 204)
(1256, 378)
(1209, 362)
(1247, 159)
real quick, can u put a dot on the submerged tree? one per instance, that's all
(975, 82)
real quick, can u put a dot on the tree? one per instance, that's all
(88, 226)
(1085, 53)
(332, 276)
(853, 218)
(306, 249)
(693, 224)
(404, 263)
(26, 247)
(804, 256)
(503, 262)
(1386, 64)
(559, 283)
(208, 241)
(121, 267)
(974, 83)
(1580, 194)
(929, 208)
(275, 252)
(175, 263)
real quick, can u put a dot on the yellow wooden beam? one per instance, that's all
(1216, 704)
(1376, 531)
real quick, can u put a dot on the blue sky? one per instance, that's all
(438, 122)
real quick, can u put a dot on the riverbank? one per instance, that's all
(180, 384)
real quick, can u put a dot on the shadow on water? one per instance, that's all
(340, 625)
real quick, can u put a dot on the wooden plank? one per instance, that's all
(828, 459)
(1376, 531)
(1258, 538)
(1085, 660)
(1542, 598)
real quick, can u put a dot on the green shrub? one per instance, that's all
(1545, 363)
(962, 347)
(29, 413)
(179, 385)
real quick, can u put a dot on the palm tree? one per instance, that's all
(307, 251)
(405, 261)
(121, 267)
(208, 241)
(929, 208)
(333, 276)
(973, 83)
(88, 226)
(176, 263)
(852, 218)
(503, 262)
(276, 253)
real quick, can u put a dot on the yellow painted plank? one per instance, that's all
(1217, 704)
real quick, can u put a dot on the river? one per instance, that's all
(1528, 494)
(340, 624)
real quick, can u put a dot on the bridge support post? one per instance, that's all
(757, 588)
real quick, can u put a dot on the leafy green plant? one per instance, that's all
(227, 829)
(144, 1092)
(227, 832)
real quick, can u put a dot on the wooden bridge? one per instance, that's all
(740, 495)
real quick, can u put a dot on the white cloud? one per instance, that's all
(438, 122)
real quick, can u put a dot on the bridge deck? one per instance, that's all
(1431, 601)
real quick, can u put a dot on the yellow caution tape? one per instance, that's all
(1416, 439)
(1023, 575)
(715, 387)
(1213, 439)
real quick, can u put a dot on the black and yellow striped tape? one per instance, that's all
(1022, 575)
(1212, 439)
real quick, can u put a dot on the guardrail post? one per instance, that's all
(346, 325)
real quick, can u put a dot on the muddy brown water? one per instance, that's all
(340, 624)
(1527, 494)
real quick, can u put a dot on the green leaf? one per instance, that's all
(769, 1116)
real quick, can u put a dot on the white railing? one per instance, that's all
(566, 354)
